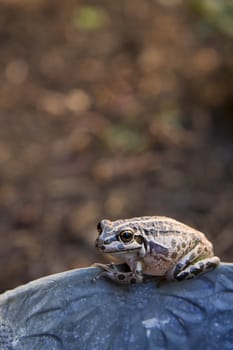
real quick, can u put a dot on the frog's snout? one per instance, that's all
(99, 243)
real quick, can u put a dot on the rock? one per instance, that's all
(68, 311)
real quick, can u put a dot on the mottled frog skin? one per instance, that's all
(154, 246)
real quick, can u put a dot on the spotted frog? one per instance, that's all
(154, 247)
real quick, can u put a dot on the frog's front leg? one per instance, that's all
(121, 273)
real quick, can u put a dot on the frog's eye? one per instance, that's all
(99, 228)
(126, 236)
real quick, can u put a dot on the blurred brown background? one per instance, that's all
(111, 109)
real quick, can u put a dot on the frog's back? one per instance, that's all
(165, 225)
(156, 224)
(160, 228)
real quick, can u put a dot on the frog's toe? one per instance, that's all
(104, 267)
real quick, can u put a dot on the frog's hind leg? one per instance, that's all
(196, 261)
(197, 268)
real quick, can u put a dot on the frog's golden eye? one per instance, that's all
(126, 236)
(99, 228)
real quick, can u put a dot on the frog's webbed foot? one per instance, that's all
(120, 273)
(108, 270)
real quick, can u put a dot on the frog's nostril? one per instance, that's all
(102, 247)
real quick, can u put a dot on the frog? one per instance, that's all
(153, 247)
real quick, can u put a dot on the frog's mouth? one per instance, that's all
(122, 251)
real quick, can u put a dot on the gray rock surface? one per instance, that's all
(68, 311)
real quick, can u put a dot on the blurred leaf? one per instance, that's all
(217, 12)
(89, 18)
(125, 138)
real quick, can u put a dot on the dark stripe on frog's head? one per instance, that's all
(158, 249)
(110, 240)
